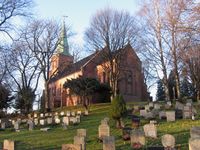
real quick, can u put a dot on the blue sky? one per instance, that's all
(79, 12)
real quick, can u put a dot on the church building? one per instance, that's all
(131, 83)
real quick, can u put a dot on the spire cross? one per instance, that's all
(64, 18)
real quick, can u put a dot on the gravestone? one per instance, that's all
(135, 121)
(68, 114)
(82, 132)
(150, 130)
(170, 116)
(36, 121)
(136, 108)
(35, 115)
(179, 105)
(194, 143)
(80, 140)
(195, 132)
(73, 120)
(66, 120)
(143, 112)
(45, 129)
(29, 116)
(162, 115)
(30, 125)
(104, 130)
(109, 143)
(146, 107)
(126, 133)
(169, 103)
(57, 119)
(151, 105)
(3, 125)
(78, 119)
(187, 112)
(41, 115)
(71, 147)
(73, 113)
(16, 126)
(49, 120)
(178, 114)
(153, 122)
(149, 115)
(8, 145)
(79, 112)
(157, 106)
(46, 114)
(168, 141)
(86, 113)
(62, 113)
(137, 138)
(42, 122)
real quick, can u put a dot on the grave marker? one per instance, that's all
(137, 138)
(104, 130)
(170, 116)
(8, 145)
(80, 140)
(168, 141)
(71, 147)
(150, 130)
(109, 143)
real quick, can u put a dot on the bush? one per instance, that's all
(118, 108)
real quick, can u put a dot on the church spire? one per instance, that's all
(63, 47)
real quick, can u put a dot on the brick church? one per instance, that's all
(131, 83)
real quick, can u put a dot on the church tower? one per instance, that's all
(62, 58)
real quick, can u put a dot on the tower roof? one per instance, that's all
(63, 47)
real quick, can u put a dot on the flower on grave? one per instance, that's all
(136, 146)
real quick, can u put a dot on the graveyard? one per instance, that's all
(56, 133)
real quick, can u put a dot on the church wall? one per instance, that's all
(57, 92)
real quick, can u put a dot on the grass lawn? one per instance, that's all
(53, 139)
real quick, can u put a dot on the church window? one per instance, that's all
(104, 77)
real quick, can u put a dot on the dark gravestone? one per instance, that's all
(178, 114)
(135, 121)
(126, 132)
(155, 148)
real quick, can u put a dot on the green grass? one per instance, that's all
(53, 139)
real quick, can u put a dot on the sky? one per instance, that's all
(79, 12)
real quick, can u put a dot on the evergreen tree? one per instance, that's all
(5, 97)
(118, 109)
(160, 95)
(187, 90)
(24, 100)
(85, 88)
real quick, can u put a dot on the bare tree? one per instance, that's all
(163, 34)
(152, 43)
(23, 73)
(42, 37)
(175, 16)
(112, 30)
(10, 9)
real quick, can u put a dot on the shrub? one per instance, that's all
(118, 108)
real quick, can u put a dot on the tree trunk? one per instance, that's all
(46, 95)
(174, 55)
